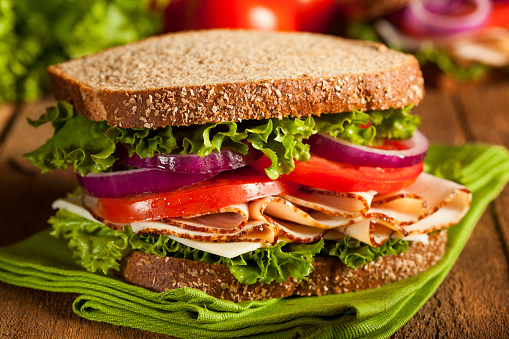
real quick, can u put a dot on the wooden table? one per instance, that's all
(473, 302)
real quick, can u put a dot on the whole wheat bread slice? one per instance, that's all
(329, 277)
(200, 77)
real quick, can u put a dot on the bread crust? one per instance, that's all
(329, 277)
(369, 85)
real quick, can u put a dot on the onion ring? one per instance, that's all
(214, 162)
(428, 18)
(136, 181)
(343, 151)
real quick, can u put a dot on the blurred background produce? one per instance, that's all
(37, 33)
(456, 41)
(284, 15)
(461, 39)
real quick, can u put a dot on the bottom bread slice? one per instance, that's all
(330, 276)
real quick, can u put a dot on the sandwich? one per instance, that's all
(247, 164)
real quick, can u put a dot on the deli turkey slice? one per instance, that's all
(444, 203)
(366, 230)
(350, 205)
(291, 221)
(447, 203)
(429, 204)
(228, 224)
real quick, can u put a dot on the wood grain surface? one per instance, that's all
(473, 301)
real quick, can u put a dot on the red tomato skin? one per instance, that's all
(315, 15)
(225, 189)
(247, 14)
(333, 176)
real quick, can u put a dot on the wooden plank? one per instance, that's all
(23, 138)
(487, 113)
(438, 118)
(7, 112)
(23, 184)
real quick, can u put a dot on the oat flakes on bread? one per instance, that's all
(248, 113)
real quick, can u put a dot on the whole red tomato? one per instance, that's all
(315, 15)
(250, 14)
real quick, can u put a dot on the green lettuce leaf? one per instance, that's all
(355, 253)
(428, 54)
(274, 263)
(394, 124)
(347, 126)
(362, 31)
(95, 246)
(369, 129)
(78, 142)
(446, 167)
(90, 146)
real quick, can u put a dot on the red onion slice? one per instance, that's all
(192, 163)
(429, 17)
(122, 183)
(342, 151)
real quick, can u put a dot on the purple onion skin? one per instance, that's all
(123, 183)
(415, 20)
(192, 163)
(329, 149)
(443, 7)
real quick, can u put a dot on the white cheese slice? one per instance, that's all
(224, 249)
(73, 205)
(422, 238)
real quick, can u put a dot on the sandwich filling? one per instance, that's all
(262, 197)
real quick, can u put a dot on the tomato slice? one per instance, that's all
(225, 189)
(334, 176)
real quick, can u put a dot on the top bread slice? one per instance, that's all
(199, 77)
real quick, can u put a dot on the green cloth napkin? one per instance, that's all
(46, 263)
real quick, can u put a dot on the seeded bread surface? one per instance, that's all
(329, 277)
(200, 77)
